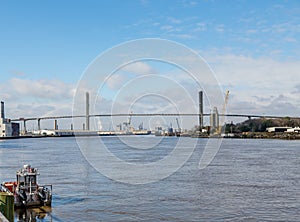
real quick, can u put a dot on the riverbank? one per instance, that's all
(19, 137)
(266, 135)
(247, 135)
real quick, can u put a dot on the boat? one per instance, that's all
(141, 132)
(124, 133)
(114, 133)
(26, 191)
(125, 129)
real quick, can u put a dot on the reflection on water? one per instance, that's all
(33, 214)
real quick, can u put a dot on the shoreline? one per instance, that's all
(248, 135)
(265, 135)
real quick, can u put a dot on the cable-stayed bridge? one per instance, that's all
(38, 119)
(87, 114)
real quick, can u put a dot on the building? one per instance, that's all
(7, 128)
(214, 119)
(278, 129)
(293, 130)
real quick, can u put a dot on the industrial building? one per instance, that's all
(7, 128)
(275, 129)
(293, 130)
(283, 129)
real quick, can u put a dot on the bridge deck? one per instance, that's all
(148, 114)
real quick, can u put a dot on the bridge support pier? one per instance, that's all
(55, 125)
(201, 110)
(87, 110)
(24, 126)
(39, 124)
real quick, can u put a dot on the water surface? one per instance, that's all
(249, 180)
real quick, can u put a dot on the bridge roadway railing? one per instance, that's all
(146, 114)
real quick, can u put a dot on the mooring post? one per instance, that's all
(7, 206)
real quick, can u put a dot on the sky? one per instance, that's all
(252, 48)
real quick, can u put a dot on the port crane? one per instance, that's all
(141, 126)
(223, 111)
(179, 130)
(127, 124)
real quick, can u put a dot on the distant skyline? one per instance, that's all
(252, 46)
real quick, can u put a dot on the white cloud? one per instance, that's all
(32, 98)
(43, 88)
(174, 20)
(291, 39)
(296, 89)
(183, 36)
(220, 28)
(166, 27)
(200, 27)
(259, 85)
(188, 3)
(251, 31)
(261, 73)
(116, 81)
(139, 68)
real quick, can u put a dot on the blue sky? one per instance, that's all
(253, 47)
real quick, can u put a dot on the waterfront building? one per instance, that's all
(275, 129)
(281, 129)
(7, 128)
(293, 130)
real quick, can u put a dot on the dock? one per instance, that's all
(6, 207)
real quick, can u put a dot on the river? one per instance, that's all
(248, 180)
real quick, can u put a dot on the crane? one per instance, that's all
(223, 111)
(179, 130)
(129, 118)
(127, 124)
